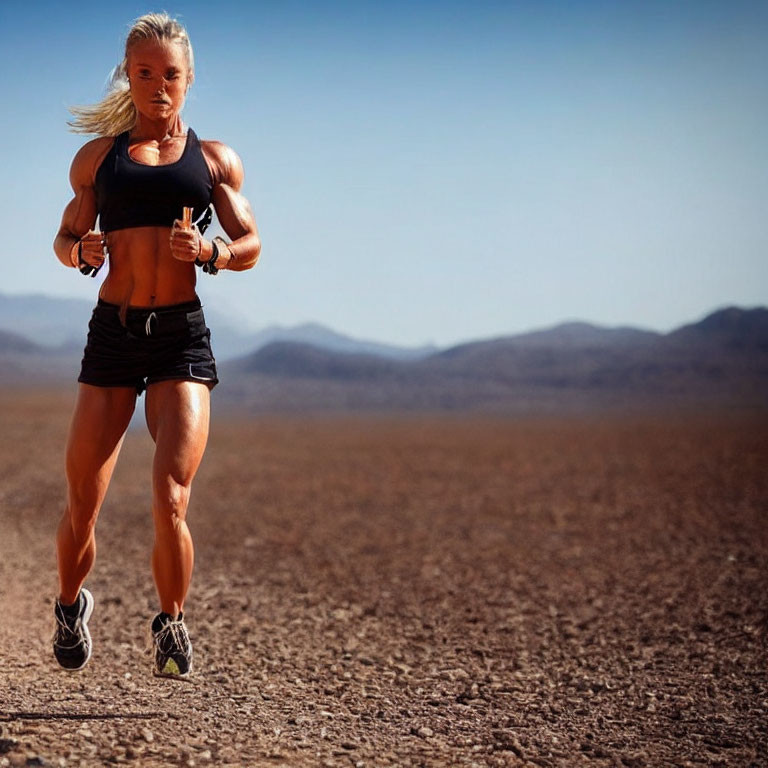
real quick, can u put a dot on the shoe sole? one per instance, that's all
(185, 678)
(89, 603)
(172, 676)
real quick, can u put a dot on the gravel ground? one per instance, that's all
(406, 592)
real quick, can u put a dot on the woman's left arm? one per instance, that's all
(233, 211)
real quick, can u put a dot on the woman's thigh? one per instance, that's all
(178, 416)
(101, 416)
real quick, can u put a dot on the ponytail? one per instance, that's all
(113, 115)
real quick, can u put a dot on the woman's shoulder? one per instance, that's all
(218, 150)
(226, 165)
(88, 159)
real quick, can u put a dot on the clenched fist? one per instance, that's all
(186, 244)
(90, 249)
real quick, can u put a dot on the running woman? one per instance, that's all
(141, 176)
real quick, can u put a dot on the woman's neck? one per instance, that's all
(157, 130)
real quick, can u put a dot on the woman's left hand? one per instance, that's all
(186, 244)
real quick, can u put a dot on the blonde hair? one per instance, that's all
(116, 113)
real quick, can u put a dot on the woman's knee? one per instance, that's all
(84, 495)
(170, 502)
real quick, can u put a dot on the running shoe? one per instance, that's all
(172, 650)
(72, 640)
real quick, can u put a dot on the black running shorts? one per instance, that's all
(152, 345)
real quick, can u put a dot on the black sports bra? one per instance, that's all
(132, 194)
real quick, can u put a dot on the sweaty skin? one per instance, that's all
(148, 266)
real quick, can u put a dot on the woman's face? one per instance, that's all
(159, 77)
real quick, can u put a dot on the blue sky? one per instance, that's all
(436, 171)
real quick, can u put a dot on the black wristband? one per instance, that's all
(200, 263)
(210, 266)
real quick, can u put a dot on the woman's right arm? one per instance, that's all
(80, 214)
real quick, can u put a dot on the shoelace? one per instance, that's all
(177, 633)
(73, 631)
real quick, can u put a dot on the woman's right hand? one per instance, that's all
(90, 249)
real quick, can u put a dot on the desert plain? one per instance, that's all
(406, 590)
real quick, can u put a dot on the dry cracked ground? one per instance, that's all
(392, 591)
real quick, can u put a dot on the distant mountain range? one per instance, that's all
(719, 361)
(230, 343)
